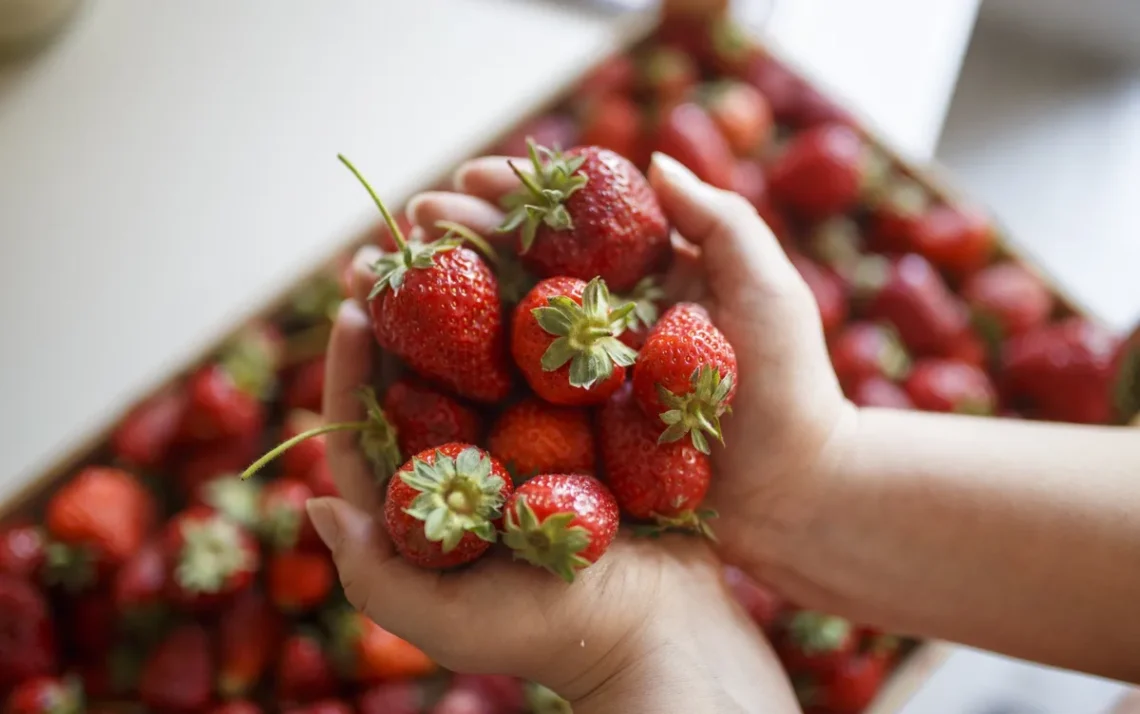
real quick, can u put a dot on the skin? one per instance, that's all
(1009, 536)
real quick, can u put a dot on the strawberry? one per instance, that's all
(533, 437)
(1067, 371)
(944, 385)
(210, 460)
(508, 694)
(393, 698)
(299, 581)
(877, 391)
(325, 706)
(282, 519)
(909, 294)
(761, 604)
(144, 437)
(140, 585)
(1007, 299)
(305, 385)
(443, 504)
(27, 632)
(646, 297)
(615, 75)
(100, 517)
(587, 212)
(237, 706)
(1126, 386)
(436, 306)
(667, 74)
(464, 701)
(613, 122)
(749, 181)
(686, 375)
(563, 339)
(742, 114)
(780, 87)
(178, 676)
(321, 481)
(249, 631)
(367, 653)
(828, 289)
(46, 695)
(561, 522)
(957, 239)
(852, 686)
(896, 217)
(88, 622)
(21, 549)
(822, 172)
(304, 672)
(547, 130)
(210, 557)
(970, 348)
(867, 349)
(816, 643)
(298, 461)
(425, 417)
(114, 674)
(663, 482)
(688, 134)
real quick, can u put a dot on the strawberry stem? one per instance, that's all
(397, 234)
(293, 441)
(471, 237)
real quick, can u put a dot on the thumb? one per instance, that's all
(738, 247)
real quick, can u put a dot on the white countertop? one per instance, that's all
(169, 166)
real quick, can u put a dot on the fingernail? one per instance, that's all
(459, 179)
(674, 170)
(414, 205)
(324, 519)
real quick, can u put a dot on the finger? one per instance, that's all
(363, 276)
(489, 177)
(348, 366)
(429, 208)
(738, 248)
(685, 281)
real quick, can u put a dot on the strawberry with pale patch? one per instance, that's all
(443, 505)
(686, 375)
(564, 340)
(211, 558)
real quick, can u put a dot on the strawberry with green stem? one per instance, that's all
(211, 558)
(437, 307)
(646, 296)
(686, 375)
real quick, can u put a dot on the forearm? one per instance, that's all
(1022, 538)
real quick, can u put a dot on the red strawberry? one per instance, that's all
(299, 581)
(688, 134)
(443, 504)
(613, 122)
(393, 698)
(547, 130)
(761, 604)
(816, 643)
(615, 75)
(89, 621)
(866, 349)
(46, 695)
(425, 417)
(1126, 385)
(780, 87)
(211, 558)
(142, 581)
(822, 172)
(21, 549)
(305, 385)
(237, 706)
(436, 306)
(749, 181)
(101, 517)
(464, 701)
(743, 116)
(508, 694)
(561, 522)
(179, 675)
(896, 218)
(304, 673)
(325, 706)
(563, 340)
(114, 674)
(686, 375)
(827, 288)
(585, 213)
(646, 296)
(668, 74)
(249, 632)
(367, 653)
(664, 482)
(210, 460)
(1066, 370)
(282, 519)
(298, 461)
(1007, 299)
(969, 348)
(853, 685)
(956, 239)
(27, 632)
(943, 385)
(321, 481)
(912, 297)
(145, 435)
(533, 437)
(880, 392)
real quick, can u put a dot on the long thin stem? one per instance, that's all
(397, 234)
(471, 237)
(293, 441)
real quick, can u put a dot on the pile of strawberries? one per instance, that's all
(545, 394)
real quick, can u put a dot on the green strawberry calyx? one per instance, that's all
(457, 496)
(1126, 390)
(552, 543)
(586, 335)
(542, 198)
(545, 701)
(234, 499)
(688, 521)
(251, 360)
(377, 440)
(698, 411)
(817, 633)
(645, 296)
(212, 552)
